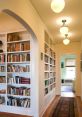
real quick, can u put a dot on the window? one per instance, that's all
(70, 69)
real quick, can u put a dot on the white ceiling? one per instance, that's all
(72, 10)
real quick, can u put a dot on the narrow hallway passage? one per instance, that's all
(64, 108)
(66, 105)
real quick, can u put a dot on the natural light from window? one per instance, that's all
(70, 69)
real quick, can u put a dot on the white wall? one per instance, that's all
(72, 48)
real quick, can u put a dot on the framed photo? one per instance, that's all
(62, 64)
(41, 56)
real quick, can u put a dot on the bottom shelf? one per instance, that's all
(19, 102)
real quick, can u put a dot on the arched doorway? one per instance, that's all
(34, 75)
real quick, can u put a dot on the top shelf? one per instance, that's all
(19, 41)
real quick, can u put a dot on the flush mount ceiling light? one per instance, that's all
(66, 41)
(64, 28)
(57, 5)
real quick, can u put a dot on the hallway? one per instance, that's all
(34, 57)
(77, 105)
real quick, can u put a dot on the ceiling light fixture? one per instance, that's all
(57, 5)
(66, 41)
(64, 28)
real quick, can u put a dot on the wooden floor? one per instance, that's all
(78, 107)
(50, 109)
(11, 115)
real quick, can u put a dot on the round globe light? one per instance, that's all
(64, 30)
(66, 41)
(57, 5)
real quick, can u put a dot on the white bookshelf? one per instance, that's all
(49, 65)
(17, 73)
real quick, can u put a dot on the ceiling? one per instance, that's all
(72, 11)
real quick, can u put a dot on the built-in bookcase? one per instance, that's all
(18, 70)
(49, 65)
(15, 72)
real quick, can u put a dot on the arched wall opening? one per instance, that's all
(35, 67)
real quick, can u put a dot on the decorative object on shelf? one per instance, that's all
(41, 56)
(66, 41)
(57, 5)
(62, 64)
(64, 28)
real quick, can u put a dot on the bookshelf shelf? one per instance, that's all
(2, 83)
(49, 65)
(14, 52)
(24, 62)
(18, 41)
(17, 85)
(18, 96)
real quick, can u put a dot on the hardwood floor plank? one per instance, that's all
(4, 114)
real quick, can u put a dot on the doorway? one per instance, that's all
(68, 75)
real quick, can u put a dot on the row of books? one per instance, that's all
(2, 58)
(2, 68)
(46, 75)
(49, 81)
(18, 57)
(48, 89)
(13, 37)
(2, 79)
(49, 52)
(23, 91)
(52, 54)
(52, 74)
(18, 68)
(52, 61)
(2, 91)
(52, 80)
(46, 59)
(2, 99)
(11, 101)
(52, 68)
(52, 86)
(22, 46)
(46, 67)
(18, 80)
(49, 75)
(46, 82)
(47, 49)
